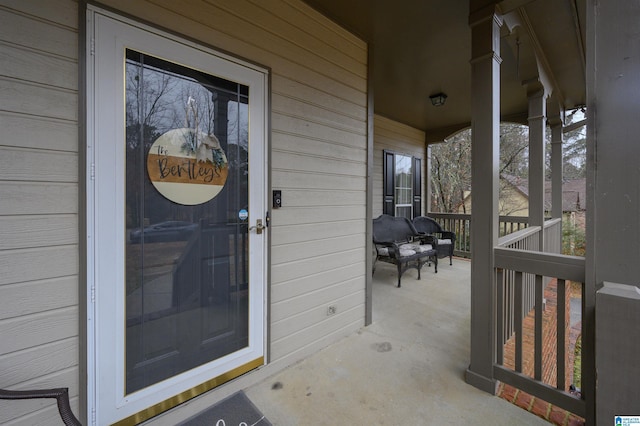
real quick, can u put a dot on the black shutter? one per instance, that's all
(417, 187)
(388, 182)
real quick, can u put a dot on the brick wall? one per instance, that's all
(549, 341)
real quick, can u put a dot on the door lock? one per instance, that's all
(259, 227)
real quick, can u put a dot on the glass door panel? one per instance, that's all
(186, 263)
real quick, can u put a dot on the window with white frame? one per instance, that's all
(402, 185)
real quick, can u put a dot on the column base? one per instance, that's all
(483, 383)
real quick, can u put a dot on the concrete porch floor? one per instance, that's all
(407, 368)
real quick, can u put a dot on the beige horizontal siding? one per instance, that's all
(38, 361)
(35, 33)
(39, 319)
(402, 139)
(311, 249)
(218, 28)
(295, 288)
(326, 294)
(38, 99)
(37, 231)
(19, 164)
(322, 328)
(306, 311)
(308, 146)
(18, 299)
(37, 198)
(332, 102)
(44, 327)
(300, 180)
(315, 231)
(303, 269)
(62, 13)
(32, 65)
(38, 264)
(19, 130)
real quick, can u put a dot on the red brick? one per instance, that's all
(541, 408)
(558, 416)
(574, 420)
(524, 400)
(509, 393)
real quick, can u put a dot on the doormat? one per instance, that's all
(234, 410)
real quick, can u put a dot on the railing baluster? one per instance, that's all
(510, 311)
(561, 333)
(538, 329)
(518, 320)
(500, 323)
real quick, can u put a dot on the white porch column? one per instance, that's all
(556, 167)
(537, 127)
(485, 25)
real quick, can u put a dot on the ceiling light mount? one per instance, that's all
(438, 99)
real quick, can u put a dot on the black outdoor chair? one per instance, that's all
(445, 240)
(396, 241)
(61, 395)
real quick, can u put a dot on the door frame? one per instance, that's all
(197, 381)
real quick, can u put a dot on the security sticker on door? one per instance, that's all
(627, 420)
(243, 214)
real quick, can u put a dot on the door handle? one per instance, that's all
(258, 227)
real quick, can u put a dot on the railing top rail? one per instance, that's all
(517, 236)
(456, 216)
(547, 264)
(462, 216)
(551, 222)
(514, 219)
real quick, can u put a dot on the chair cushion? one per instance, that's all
(444, 242)
(405, 250)
(417, 248)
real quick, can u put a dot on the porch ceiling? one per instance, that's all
(422, 47)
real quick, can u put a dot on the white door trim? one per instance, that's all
(108, 36)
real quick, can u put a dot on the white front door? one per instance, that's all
(176, 192)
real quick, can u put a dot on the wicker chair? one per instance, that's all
(396, 241)
(61, 395)
(445, 240)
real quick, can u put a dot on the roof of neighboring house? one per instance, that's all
(573, 195)
(573, 192)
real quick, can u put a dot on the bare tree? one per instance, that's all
(451, 172)
(451, 168)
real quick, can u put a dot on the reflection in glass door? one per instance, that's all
(186, 256)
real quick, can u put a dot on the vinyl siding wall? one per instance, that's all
(401, 139)
(318, 161)
(39, 319)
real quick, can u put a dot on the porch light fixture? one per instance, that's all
(438, 99)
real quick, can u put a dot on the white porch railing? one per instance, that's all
(521, 276)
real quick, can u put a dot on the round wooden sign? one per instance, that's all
(187, 166)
